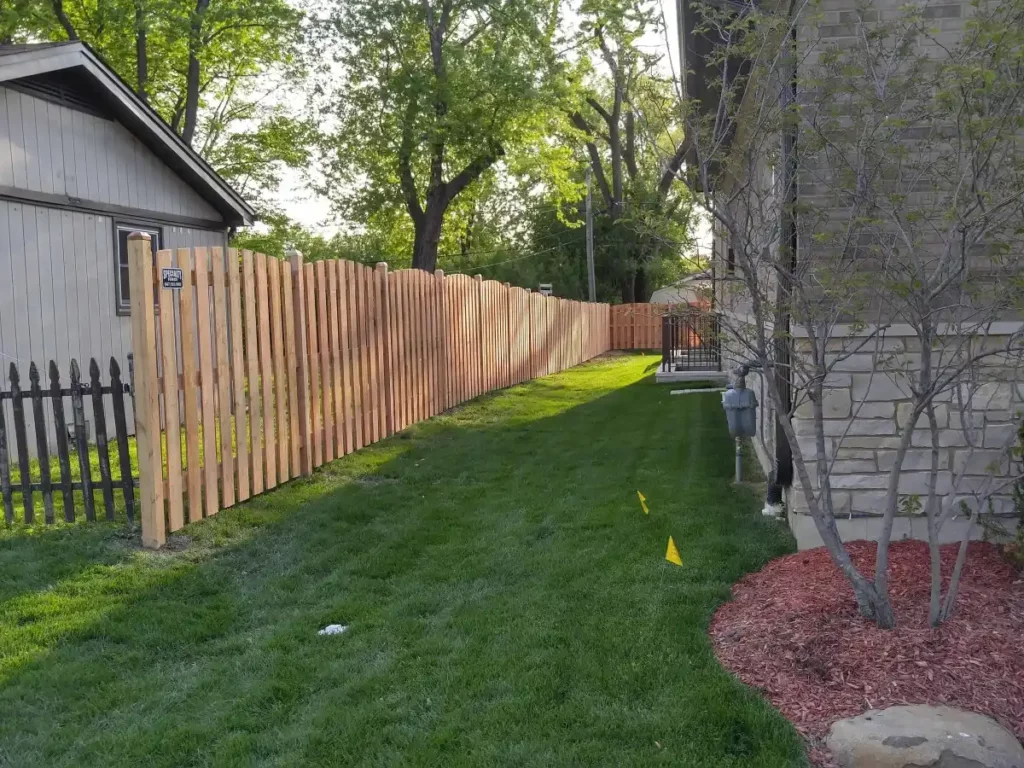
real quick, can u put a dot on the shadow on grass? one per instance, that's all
(508, 601)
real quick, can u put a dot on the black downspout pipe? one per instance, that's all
(782, 474)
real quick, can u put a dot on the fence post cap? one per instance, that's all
(291, 253)
(136, 235)
(382, 266)
(478, 278)
(438, 273)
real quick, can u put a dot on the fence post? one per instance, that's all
(147, 402)
(385, 334)
(304, 436)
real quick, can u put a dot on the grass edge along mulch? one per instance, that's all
(792, 631)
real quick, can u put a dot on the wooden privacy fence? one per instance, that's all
(250, 371)
(637, 326)
(61, 486)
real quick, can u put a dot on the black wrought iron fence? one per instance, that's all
(691, 341)
(69, 458)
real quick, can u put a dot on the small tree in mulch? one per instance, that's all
(905, 146)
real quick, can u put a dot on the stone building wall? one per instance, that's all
(867, 410)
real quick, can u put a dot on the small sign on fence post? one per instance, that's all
(171, 277)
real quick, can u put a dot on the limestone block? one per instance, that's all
(869, 482)
(990, 396)
(853, 467)
(913, 460)
(879, 386)
(980, 462)
(875, 410)
(1000, 435)
(855, 453)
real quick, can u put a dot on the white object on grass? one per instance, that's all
(333, 629)
(692, 391)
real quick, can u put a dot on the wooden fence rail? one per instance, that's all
(250, 371)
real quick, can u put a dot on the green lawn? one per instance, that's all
(508, 603)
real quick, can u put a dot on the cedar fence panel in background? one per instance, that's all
(285, 365)
(637, 326)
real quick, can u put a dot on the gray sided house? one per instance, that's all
(83, 162)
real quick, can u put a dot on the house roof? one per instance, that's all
(20, 61)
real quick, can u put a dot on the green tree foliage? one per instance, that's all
(213, 69)
(627, 131)
(434, 95)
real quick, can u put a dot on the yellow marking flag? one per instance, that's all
(672, 554)
(643, 502)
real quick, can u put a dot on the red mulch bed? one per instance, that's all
(793, 631)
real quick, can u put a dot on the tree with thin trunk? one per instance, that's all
(869, 196)
(621, 121)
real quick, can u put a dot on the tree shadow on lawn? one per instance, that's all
(508, 604)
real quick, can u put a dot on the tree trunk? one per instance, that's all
(141, 54)
(428, 237)
(640, 285)
(628, 289)
(65, 22)
(188, 130)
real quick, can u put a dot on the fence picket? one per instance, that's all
(252, 373)
(280, 380)
(326, 374)
(5, 471)
(289, 293)
(172, 418)
(358, 368)
(264, 459)
(99, 418)
(190, 389)
(315, 444)
(36, 394)
(223, 363)
(60, 428)
(81, 445)
(21, 445)
(236, 349)
(345, 344)
(121, 430)
(208, 383)
(336, 379)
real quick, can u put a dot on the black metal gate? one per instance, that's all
(691, 341)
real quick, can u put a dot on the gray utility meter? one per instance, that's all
(740, 406)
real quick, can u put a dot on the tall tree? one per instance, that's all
(435, 93)
(208, 67)
(624, 118)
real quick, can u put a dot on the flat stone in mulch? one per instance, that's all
(793, 631)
